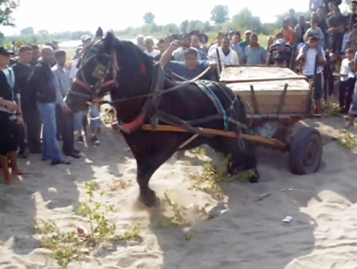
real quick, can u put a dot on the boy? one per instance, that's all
(347, 82)
(10, 115)
(315, 31)
(309, 57)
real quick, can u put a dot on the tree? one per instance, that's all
(149, 18)
(219, 14)
(27, 31)
(7, 7)
(245, 19)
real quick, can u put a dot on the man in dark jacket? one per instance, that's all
(42, 85)
(22, 70)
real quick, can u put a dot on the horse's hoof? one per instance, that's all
(254, 178)
(149, 199)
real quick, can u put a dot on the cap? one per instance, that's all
(232, 31)
(5, 52)
(85, 38)
(280, 42)
(247, 32)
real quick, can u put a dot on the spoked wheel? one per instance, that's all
(305, 151)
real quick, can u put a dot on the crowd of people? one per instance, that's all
(34, 116)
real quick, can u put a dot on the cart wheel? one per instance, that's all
(305, 151)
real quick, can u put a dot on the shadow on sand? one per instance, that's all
(53, 189)
(251, 233)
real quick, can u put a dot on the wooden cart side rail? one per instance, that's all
(213, 132)
(261, 79)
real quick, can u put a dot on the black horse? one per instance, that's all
(138, 86)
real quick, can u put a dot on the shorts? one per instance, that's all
(8, 136)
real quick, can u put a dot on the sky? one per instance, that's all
(73, 15)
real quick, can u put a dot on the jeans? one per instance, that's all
(353, 108)
(51, 149)
(94, 120)
(78, 121)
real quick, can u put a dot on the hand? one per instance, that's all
(12, 107)
(19, 120)
(330, 30)
(65, 110)
(174, 45)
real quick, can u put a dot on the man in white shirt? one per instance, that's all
(309, 57)
(224, 55)
(149, 45)
(347, 82)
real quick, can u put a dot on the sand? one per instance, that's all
(245, 233)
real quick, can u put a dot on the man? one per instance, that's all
(195, 43)
(322, 24)
(336, 29)
(179, 53)
(162, 46)
(22, 72)
(64, 118)
(292, 20)
(300, 30)
(217, 44)
(330, 5)
(41, 83)
(149, 45)
(235, 40)
(35, 55)
(246, 42)
(309, 57)
(140, 42)
(280, 53)
(288, 33)
(315, 4)
(254, 54)
(10, 115)
(352, 38)
(190, 68)
(352, 18)
(86, 40)
(224, 56)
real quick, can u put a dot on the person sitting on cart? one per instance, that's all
(312, 69)
(190, 68)
(280, 54)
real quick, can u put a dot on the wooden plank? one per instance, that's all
(282, 99)
(254, 100)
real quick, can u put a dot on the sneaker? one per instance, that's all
(94, 140)
(80, 139)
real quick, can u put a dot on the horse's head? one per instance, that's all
(99, 73)
(97, 70)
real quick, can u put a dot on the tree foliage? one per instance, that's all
(7, 7)
(220, 14)
(149, 18)
(242, 21)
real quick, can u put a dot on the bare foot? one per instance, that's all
(9, 181)
(19, 172)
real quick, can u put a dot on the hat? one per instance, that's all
(5, 52)
(85, 38)
(232, 31)
(247, 32)
(280, 42)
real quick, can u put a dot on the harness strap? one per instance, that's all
(216, 102)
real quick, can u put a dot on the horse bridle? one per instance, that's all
(100, 73)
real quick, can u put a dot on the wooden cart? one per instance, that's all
(276, 99)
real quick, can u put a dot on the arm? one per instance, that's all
(166, 56)
(59, 98)
(301, 55)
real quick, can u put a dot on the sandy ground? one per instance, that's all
(245, 234)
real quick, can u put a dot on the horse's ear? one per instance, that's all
(109, 41)
(99, 33)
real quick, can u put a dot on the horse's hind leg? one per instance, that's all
(242, 155)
